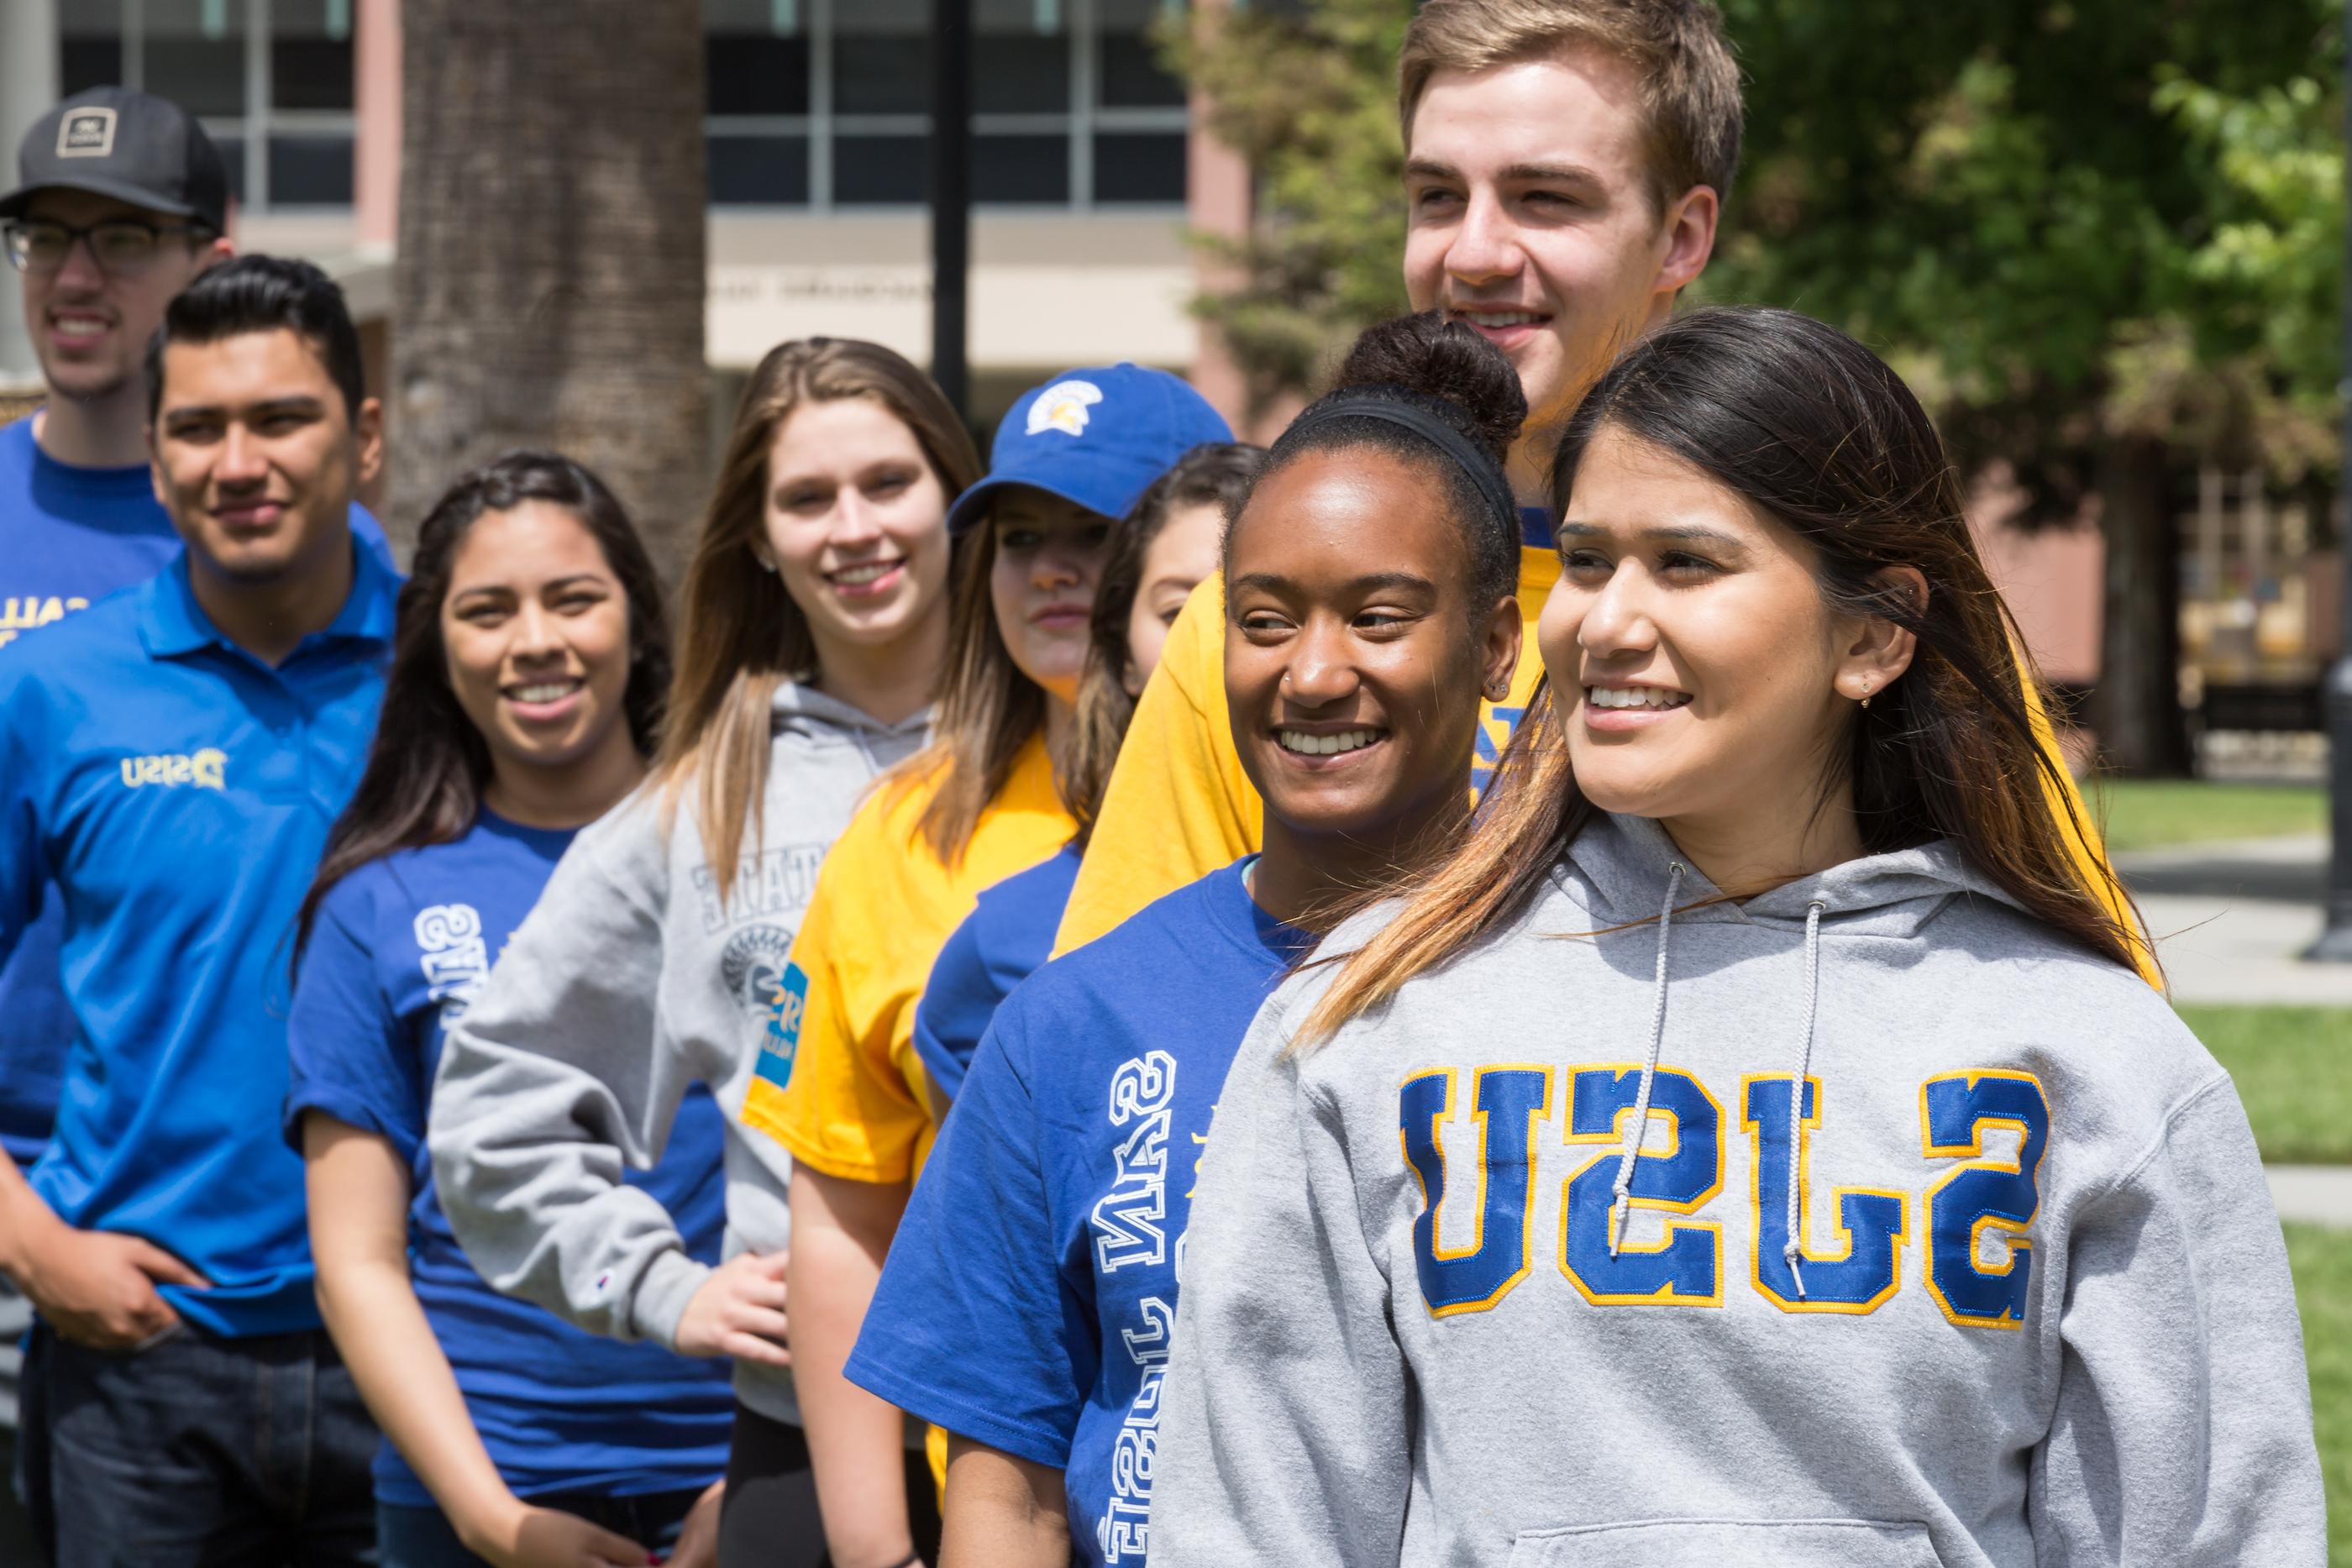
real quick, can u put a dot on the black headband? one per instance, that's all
(1484, 476)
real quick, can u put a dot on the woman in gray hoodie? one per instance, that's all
(1755, 1145)
(816, 618)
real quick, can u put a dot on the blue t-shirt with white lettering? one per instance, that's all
(176, 792)
(68, 538)
(1030, 1293)
(1008, 935)
(400, 946)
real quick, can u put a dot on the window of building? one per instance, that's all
(270, 80)
(813, 104)
(823, 104)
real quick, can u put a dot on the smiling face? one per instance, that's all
(1049, 556)
(1354, 658)
(89, 327)
(1702, 679)
(1180, 556)
(536, 630)
(856, 525)
(1530, 218)
(255, 456)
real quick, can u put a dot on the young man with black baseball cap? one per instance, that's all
(121, 201)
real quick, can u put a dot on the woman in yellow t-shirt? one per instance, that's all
(839, 1083)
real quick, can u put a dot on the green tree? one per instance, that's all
(1307, 94)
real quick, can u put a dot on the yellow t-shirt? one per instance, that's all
(838, 1083)
(1179, 806)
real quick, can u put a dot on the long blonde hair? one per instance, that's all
(743, 635)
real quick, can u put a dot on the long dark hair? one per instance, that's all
(1820, 434)
(429, 764)
(1215, 474)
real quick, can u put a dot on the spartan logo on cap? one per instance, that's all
(87, 133)
(1063, 406)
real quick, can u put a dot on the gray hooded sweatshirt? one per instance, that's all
(630, 981)
(2040, 1312)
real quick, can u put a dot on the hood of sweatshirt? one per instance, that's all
(1867, 1222)
(1626, 862)
(800, 713)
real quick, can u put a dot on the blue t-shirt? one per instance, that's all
(1029, 1295)
(1008, 935)
(1535, 530)
(177, 792)
(399, 948)
(68, 538)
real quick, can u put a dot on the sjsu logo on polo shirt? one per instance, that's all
(1063, 406)
(205, 770)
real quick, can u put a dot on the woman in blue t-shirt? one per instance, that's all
(1158, 554)
(1028, 1299)
(528, 677)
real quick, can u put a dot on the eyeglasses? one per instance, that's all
(122, 247)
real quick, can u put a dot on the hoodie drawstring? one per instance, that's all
(1794, 1247)
(1638, 1128)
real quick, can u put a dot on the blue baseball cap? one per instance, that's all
(1095, 437)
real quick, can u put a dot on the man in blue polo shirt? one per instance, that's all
(171, 759)
(120, 203)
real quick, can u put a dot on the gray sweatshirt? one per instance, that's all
(630, 981)
(2040, 1312)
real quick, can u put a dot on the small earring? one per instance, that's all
(1866, 690)
(1498, 691)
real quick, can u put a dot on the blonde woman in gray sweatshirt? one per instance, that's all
(1755, 1145)
(815, 620)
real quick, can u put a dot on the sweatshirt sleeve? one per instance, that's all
(1286, 1433)
(548, 1089)
(1179, 805)
(2182, 1432)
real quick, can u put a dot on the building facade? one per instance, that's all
(1088, 163)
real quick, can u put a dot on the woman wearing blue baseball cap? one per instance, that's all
(840, 1084)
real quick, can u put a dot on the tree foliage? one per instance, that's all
(2064, 218)
(2099, 237)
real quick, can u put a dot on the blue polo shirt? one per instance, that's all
(178, 791)
(68, 538)
(399, 949)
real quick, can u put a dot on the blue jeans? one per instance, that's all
(413, 1537)
(200, 1452)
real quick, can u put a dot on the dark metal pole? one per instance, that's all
(2335, 944)
(951, 199)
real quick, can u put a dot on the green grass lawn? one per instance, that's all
(2323, 1289)
(2294, 1070)
(2154, 813)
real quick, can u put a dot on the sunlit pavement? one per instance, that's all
(2232, 920)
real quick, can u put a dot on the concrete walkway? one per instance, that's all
(2232, 920)
(2314, 1194)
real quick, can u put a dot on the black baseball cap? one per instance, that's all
(132, 146)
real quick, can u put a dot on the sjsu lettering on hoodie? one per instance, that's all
(1498, 1132)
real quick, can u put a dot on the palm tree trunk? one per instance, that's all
(548, 290)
